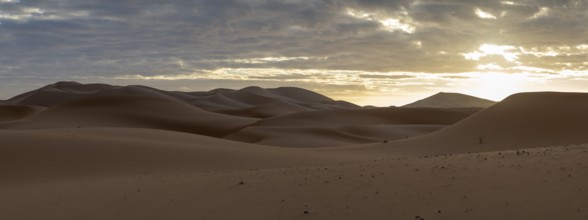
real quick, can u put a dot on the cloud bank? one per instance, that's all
(107, 39)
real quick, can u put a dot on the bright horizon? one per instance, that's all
(377, 53)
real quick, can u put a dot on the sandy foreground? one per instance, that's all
(74, 151)
(539, 183)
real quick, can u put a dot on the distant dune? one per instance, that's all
(451, 100)
(250, 101)
(97, 151)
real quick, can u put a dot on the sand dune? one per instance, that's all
(275, 108)
(520, 121)
(371, 116)
(46, 155)
(263, 103)
(63, 92)
(250, 101)
(451, 100)
(132, 112)
(109, 152)
(340, 127)
(328, 136)
(16, 112)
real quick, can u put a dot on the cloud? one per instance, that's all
(483, 14)
(385, 76)
(57, 39)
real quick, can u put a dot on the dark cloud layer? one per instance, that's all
(108, 38)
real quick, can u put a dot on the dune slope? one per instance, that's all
(133, 112)
(328, 128)
(36, 156)
(16, 112)
(520, 121)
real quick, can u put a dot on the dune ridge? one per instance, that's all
(290, 99)
(451, 100)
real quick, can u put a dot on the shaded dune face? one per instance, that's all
(372, 116)
(328, 136)
(263, 103)
(133, 112)
(16, 112)
(329, 128)
(29, 156)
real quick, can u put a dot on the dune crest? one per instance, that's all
(249, 101)
(451, 100)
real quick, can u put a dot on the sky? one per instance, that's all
(370, 52)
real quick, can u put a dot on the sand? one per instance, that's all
(95, 151)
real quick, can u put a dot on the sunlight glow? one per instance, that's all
(390, 24)
(508, 52)
(495, 85)
(484, 15)
(395, 24)
(490, 66)
(542, 12)
(358, 14)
